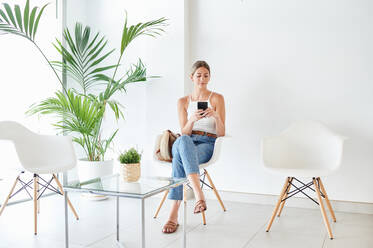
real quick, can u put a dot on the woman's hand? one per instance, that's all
(197, 115)
(209, 112)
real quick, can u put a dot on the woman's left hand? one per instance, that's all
(209, 112)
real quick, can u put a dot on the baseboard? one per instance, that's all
(299, 202)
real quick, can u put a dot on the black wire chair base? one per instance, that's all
(41, 182)
(300, 189)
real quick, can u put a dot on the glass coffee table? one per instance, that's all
(115, 186)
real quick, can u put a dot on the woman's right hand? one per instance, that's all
(197, 115)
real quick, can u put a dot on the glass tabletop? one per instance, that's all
(115, 185)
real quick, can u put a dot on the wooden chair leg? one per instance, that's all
(278, 204)
(322, 208)
(203, 217)
(185, 199)
(63, 193)
(38, 187)
(286, 194)
(215, 191)
(35, 204)
(327, 199)
(9, 195)
(162, 201)
(184, 194)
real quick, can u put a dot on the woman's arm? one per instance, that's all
(218, 114)
(185, 124)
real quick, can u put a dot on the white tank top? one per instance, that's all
(206, 124)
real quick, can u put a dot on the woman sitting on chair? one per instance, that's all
(202, 120)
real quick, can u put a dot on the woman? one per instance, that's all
(199, 129)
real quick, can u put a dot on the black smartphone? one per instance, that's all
(202, 105)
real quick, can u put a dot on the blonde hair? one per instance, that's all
(199, 64)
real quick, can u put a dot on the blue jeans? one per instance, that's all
(188, 153)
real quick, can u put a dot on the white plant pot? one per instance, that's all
(88, 170)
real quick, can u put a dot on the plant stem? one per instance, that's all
(116, 68)
(45, 57)
(97, 136)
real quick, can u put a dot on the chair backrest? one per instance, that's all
(39, 151)
(305, 144)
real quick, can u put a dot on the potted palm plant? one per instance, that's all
(81, 109)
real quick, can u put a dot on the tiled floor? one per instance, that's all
(242, 226)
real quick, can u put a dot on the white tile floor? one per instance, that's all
(242, 226)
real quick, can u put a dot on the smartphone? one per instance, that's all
(202, 105)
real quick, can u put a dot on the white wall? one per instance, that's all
(274, 61)
(280, 61)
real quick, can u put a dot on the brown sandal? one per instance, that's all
(170, 227)
(200, 206)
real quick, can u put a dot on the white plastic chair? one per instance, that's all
(203, 175)
(305, 149)
(39, 154)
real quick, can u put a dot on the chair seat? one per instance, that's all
(202, 166)
(299, 172)
(169, 164)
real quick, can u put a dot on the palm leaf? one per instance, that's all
(151, 28)
(116, 108)
(14, 23)
(36, 24)
(61, 66)
(26, 16)
(83, 56)
(3, 15)
(136, 73)
(78, 115)
(17, 11)
(32, 19)
(10, 14)
(106, 143)
(79, 112)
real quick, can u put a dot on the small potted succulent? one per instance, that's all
(130, 165)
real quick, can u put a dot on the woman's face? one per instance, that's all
(201, 77)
